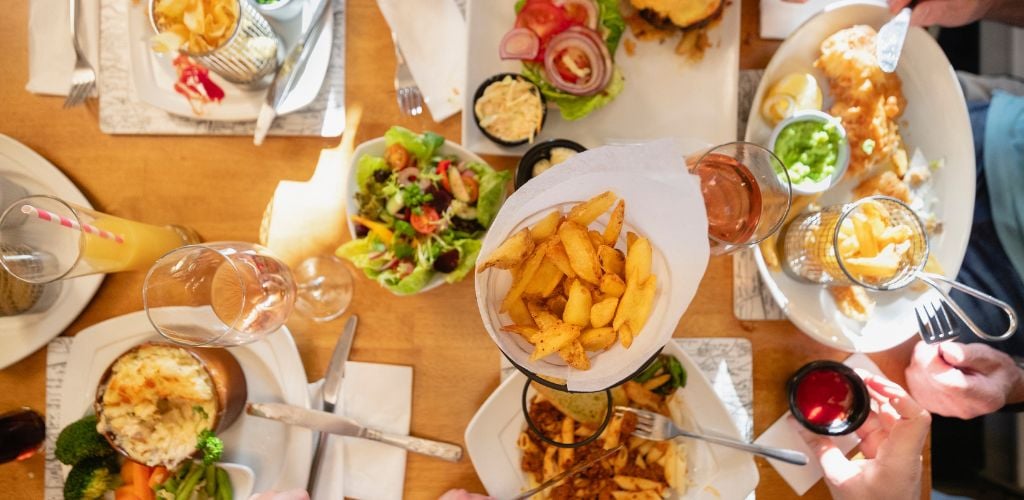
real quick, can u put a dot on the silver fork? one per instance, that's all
(658, 427)
(410, 99)
(83, 79)
(938, 327)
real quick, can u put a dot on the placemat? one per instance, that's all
(751, 299)
(121, 111)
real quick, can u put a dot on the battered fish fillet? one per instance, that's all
(886, 184)
(868, 100)
(853, 302)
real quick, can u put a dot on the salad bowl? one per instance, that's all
(490, 191)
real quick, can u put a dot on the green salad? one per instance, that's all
(420, 212)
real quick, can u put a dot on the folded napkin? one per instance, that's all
(432, 35)
(378, 396)
(51, 55)
(782, 435)
(779, 18)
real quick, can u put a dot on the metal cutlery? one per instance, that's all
(329, 392)
(572, 471)
(937, 280)
(290, 71)
(410, 99)
(889, 43)
(344, 426)
(938, 327)
(83, 78)
(658, 427)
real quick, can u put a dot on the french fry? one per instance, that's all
(612, 260)
(582, 257)
(612, 285)
(561, 259)
(546, 227)
(642, 397)
(556, 304)
(614, 227)
(553, 339)
(519, 314)
(630, 238)
(656, 382)
(644, 303)
(526, 275)
(526, 332)
(544, 281)
(577, 308)
(597, 339)
(638, 260)
(544, 319)
(596, 239)
(602, 312)
(866, 240)
(587, 212)
(625, 335)
(510, 252)
(575, 356)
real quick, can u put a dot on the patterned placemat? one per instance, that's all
(56, 360)
(122, 112)
(727, 363)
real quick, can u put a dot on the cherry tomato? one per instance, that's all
(472, 187)
(578, 58)
(544, 19)
(424, 222)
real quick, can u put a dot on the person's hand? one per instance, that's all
(462, 495)
(891, 439)
(963, 380)
(947, 13)
(281, 495)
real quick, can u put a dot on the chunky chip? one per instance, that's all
(195, 25)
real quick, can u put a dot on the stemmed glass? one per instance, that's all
(747, 194)
(232, 293)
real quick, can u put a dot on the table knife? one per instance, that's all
(329, 392)
(289, 72)
(572, 471)
(344, 426)
(889, 43)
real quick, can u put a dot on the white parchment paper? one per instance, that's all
(663, 203)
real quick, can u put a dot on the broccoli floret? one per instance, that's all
(90, 478)
(210, 445)
(80, 441)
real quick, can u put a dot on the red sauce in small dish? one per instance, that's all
(824, 396)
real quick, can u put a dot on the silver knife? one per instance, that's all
(290, 71)
(329, 392)
(343, 426)
(572, 471)
(889, 43)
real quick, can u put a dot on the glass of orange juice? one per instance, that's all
(46, 239)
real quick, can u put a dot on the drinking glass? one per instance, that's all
(233, 293)
(45, 239)
(22, 433)
(746, 191)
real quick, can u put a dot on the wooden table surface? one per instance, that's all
(195, 180)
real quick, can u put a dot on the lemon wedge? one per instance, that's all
(794, 92)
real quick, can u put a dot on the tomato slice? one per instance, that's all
(576, 14)
(424, 222)
(544, 19)
(578, 58)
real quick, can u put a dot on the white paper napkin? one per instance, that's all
(779, 18)
(51, 55)
(432, 35)
(781, 434)
(663, 203)
(377, 396)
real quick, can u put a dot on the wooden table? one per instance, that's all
(193, 180)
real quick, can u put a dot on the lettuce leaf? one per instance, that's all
(611, 24)
(421, 146)
(492, 192)
(574, 107)
(414, 282)
(365, 168)
(468, 250)
(359, 253)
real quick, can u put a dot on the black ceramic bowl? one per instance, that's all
(480, 92)
(859, 408)
(540, 151)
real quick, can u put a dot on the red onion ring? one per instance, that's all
(519, 43)
(593, 47)
(588, 5)
(408, 175)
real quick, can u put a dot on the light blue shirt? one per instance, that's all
(1004, 172)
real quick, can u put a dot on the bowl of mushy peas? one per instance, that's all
(813, 147)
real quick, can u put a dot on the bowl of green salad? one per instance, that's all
(418, 208)
(814, 148)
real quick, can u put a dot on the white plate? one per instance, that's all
(154, 75)
(22, 335)
(935, 121)
(720, 473)
(376, 147)
(280, 456)
(665, 95)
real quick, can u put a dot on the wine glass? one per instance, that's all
(233, 293)
(747, 194)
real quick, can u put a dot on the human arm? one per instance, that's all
(952, 13)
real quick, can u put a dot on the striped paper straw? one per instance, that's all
(68, 223)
